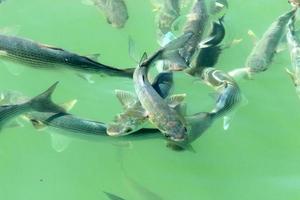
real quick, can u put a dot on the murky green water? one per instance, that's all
(257, 158)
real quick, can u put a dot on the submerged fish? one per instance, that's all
(134, 116)
(169, 12)
(294, 47)
(263, 52)
(115, 11)
(161, 114)
(47, 57)
(210, 50)
(66, 122)
(229, 94)
(40, 103)
(196, 23)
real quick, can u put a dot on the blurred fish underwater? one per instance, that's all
(170, 99)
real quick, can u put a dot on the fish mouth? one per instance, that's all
(176, 138)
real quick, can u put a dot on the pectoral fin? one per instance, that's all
(38, 125)
(175, 100)
(291, 74)
(126, 98)
(253, 36)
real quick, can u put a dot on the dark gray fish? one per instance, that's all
(161, 114)
(216, 36)
(208, 56)
(115, 11)
(40, 103)
(39, 55)
(196, 23)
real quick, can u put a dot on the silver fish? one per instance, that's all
(263, 52)
(115, 11)
(66, 122)
(160, 113)
(134, 116)
(40, 55)
(41, 103)
(229, 94)
(294, 48)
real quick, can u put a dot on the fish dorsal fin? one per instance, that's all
(143, 59)
(51, 47)
(126, 98)
(175, 100)
(93, 56)
(37, 124)
(69, 104)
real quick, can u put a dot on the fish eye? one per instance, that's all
(128, 130)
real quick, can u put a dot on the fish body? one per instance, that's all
(134, 116)
(44, 56)
(165, 118)
(41, 103)
(67, 122)
(263, 52)
(196, 23)
(229, 94)
(115, 11)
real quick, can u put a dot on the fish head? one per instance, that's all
(126, 123)
(176, 132)
(257, 64)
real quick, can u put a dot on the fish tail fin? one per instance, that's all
(44, 103)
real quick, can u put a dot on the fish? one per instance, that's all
(264, 51)
(229, 93)
(115, 11)
(210, 49)
(169, 12)
(161, 114)
(197, 21)
(41, 103)
(43, 56)
(294, 49)
(66, 121)
(134, 116)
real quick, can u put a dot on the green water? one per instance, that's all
(257, 158)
